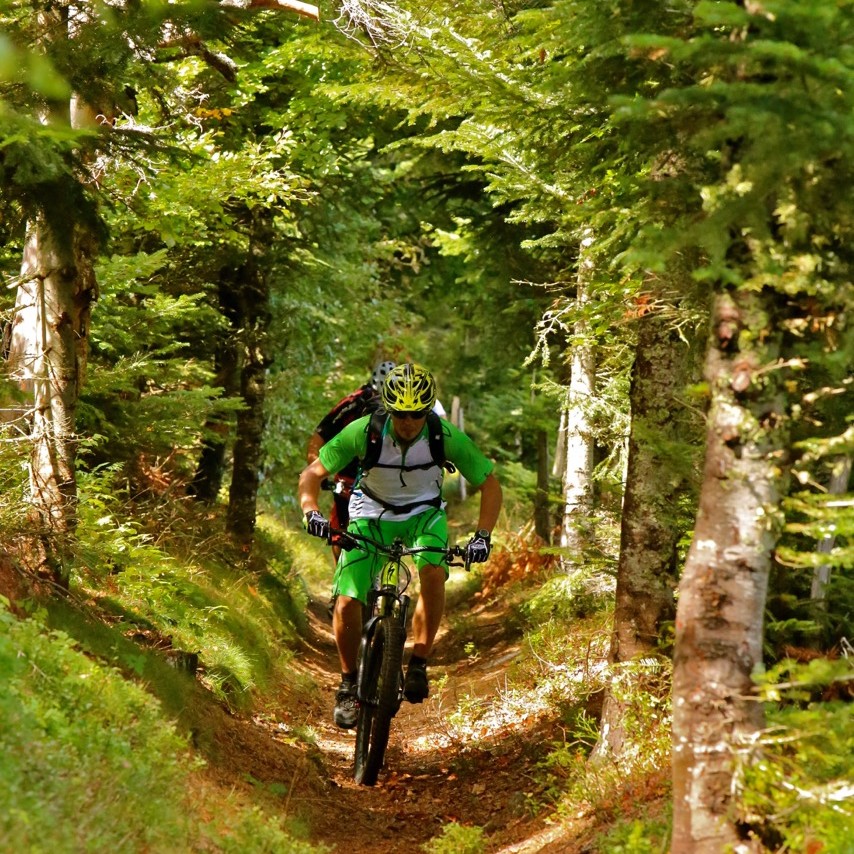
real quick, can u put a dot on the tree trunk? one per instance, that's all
(210, 470)
(647, 571)
(246, 466)
(48, 346)
(47, 358)
(559, 464)
(723, 588)
(542, 514)
(578, 474)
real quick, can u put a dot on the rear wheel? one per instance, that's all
(382, 658)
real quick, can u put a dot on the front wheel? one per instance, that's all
(381, 663)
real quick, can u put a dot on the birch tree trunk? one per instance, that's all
(47, 358)
(559, 464)
(723, 587)
(647, 570)
(49, 342)
(578, 473)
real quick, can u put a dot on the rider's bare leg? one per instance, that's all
(347, 627)
(429, 610)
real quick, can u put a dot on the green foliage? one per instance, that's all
(638, 836)
(92, 763)
(564, 764)
(794, 783)
(145, 376)
(253, 832)
(14, 518)
(31, 69)
(564, 666)
(641, 688)
(89, 763)
(414, 203)
(188, 600)
(820, 516)
(568, 776)
(457, 839)
(565, 597)
(818, 536)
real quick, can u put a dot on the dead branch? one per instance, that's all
(307, 10)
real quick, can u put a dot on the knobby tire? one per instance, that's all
(382, 663)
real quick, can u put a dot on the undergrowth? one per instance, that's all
(794, 780)
(92, 764)
(561, 675)
(166, 582)
(795, 789)
(103, 718)
(457, 839)
(568, 665)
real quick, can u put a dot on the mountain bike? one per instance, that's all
(379, 686)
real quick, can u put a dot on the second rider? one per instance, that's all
(399, 496)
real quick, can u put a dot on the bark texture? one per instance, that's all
(47, 358)
(647, 571)
(542, 514)
(578, 474)
(723, 587)
(48, 343)
(246, 466)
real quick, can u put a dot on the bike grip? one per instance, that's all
(347, 542)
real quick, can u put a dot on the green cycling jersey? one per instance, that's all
(459, 449)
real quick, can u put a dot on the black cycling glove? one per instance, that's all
(478, 547)
(316, 524)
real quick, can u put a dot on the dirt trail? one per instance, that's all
(434, 773)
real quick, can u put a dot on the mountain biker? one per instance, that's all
(399, 496)
(363, 401)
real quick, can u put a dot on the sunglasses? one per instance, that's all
(413, 415)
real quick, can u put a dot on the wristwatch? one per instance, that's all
(483, 534)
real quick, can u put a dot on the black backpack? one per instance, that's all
(435, 436)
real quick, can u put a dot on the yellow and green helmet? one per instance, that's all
(409, 388)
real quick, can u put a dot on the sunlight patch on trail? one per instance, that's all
(510, 709)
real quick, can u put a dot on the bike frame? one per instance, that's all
(387, 597)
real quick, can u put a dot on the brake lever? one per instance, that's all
(459, 551)
(345, 541)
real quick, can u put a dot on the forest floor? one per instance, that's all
(438, 770)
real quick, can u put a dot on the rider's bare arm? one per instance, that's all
(315, 443)
(491, 498)
(309, 485)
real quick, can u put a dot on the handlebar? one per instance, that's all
(397, 550)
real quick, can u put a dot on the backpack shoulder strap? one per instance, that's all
(436, 437)
(375, 440)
